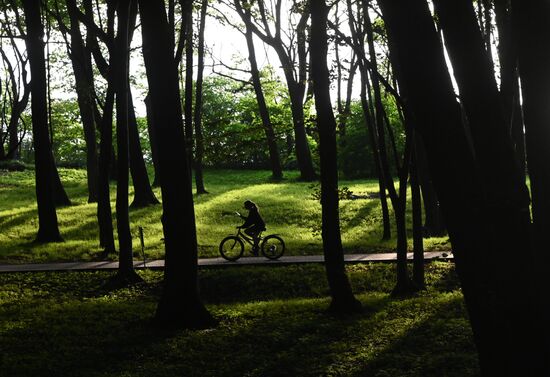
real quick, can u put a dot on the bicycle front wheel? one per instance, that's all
(273, 247)
(231, 248)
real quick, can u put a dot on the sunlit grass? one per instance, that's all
(288, 208)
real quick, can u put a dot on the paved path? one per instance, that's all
(215, 262)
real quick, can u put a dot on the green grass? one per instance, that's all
(288, 208)
(272, 322)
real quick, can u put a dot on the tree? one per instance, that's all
(16, 94)
(532, 29)
(471, 215)
(295, 77)
(126, 272)
(343, 300)
(81, 61)
(48, 230)
(199, 150)
(180, 304)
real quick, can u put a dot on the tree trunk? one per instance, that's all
(81, 63)
(461, 185)
(343, 300)
(386, 235)
(434, 226)
(199, 152)
(531, 20)
(104, 214)
(509, 83)
(120, 66)
(48, 230)
(152, 139)
(277, 171)
(143, 193)
(180, 304)
(418, 236)
(188, 105)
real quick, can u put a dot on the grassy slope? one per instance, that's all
(272, 323)
(287, 207)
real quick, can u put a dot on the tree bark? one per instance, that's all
(188, 104)
(104, 214)
(81, 61)
(418, 236)
(143, 193)
(276, 170)
(180, 304)
(152, 140)
(199, 151)
(120, 65)
(462, 187)
(343, 300)
(531, 22)
(48, 230)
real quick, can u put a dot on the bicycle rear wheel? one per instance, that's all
(231, 248)
(273, 247)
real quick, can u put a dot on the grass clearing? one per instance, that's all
(272, 322)
(288, 208)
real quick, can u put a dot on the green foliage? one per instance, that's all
(272, 322)
(69, 146)
(13, 165)
(233, 132)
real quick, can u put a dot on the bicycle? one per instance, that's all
(232, 247)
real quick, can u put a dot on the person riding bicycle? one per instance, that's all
(253, 224)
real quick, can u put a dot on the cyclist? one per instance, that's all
(253, 224)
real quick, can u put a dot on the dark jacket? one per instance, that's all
(253, 218)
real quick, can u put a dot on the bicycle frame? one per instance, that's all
(248, 240)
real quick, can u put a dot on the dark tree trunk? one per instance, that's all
(343, 300)
(199, 151)
(104, 214)
(398, 199)
(48, 230)
(434, 225)
(188, 104)
(471, 213)
(180, 304)
(277, 171)
(531, 21)
(418, 236)
(143, 193)
(509, 84)
(152, 139)
(120, 66)
(81, 60)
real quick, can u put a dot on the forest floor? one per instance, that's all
(290, 209)
(272, 321)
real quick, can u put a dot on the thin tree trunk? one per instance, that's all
(143, 193)
(152, 140)
(180, 304)
(81, 62)
(434, 225)
(104, 214)
(48, 230)
(199, 152)
(386, 235)
(418, 237)
(343, 300)
(276, 169)
(126, 266)
(188, 104)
